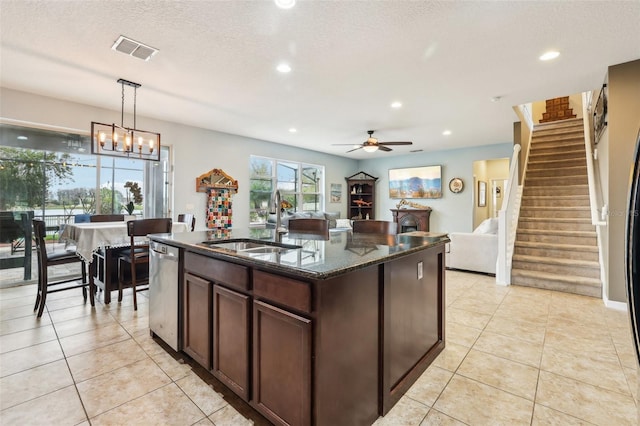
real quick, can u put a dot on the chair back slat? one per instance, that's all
(106, 218)
(309, 226)
(143, 227)
(188, 218)
(374, 227)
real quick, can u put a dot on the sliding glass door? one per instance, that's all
(53, 176)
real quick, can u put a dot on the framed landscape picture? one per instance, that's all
(336, 193)
(416, 182)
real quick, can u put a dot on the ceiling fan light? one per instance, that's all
(370, 148)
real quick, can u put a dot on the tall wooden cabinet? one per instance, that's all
(361, 196)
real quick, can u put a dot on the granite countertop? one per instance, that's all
(314, 257)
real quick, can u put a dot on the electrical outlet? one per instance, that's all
(420, 272)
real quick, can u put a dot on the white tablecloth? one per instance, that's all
(90, 237)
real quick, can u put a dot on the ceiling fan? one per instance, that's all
(372, 144)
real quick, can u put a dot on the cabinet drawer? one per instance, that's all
(286, 291)
(218, 271)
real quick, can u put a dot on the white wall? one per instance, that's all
(195, 150)
(452, 212)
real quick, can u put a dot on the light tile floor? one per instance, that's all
(514, 356)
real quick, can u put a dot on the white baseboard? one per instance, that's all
(619, 306)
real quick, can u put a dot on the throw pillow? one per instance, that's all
(343, 223)
(332, 217)
(488, 226)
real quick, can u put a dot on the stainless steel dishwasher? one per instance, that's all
(163, 292)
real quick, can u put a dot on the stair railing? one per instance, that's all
(594, 186)
(507, 218)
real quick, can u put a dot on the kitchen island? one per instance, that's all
(312, 331)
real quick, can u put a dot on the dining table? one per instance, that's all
(98, 244)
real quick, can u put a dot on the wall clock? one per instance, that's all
(456, 185)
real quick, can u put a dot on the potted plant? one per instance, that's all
(133, 190)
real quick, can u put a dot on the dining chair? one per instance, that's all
(106, 218)
(309, 226)
(188, 218)
(133, 263)
(47, 259)
(374, 227)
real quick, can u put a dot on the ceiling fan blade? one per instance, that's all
(354, 149)
(384, 148)
(395, 143)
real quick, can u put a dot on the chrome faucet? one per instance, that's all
(276, 207)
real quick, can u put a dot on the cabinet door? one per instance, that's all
(231, 339)
(281, 365)
(197, 319)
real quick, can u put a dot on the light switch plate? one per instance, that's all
(420, 270)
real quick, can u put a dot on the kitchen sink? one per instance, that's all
(250, 246)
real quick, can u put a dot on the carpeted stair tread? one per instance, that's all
(556, 261)
(562, 233)
(554, 246)
(558, 219)
(556, 277)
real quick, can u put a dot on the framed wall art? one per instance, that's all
(336, 193)
(416, 182)
(600, 114)
(482, 193)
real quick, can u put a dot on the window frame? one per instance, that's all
(296, 195)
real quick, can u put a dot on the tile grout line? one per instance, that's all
(66, 361)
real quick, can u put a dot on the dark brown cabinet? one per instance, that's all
(197, 319)
(281, 365)
(361, 196)
(231, 339)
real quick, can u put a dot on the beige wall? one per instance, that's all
(575, 102)
(486, 171)
(623, 125)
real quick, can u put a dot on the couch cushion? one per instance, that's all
(332, 217)
(343, 223)
(488, 226)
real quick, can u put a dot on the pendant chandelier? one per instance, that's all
(120, 141)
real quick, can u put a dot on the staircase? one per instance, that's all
(556, 246)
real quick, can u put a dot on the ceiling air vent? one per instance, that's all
(134, 48)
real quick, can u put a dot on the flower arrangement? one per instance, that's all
(133, 189)
(284, 204)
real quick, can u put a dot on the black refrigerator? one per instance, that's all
(632, 249)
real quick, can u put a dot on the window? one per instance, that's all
(54, 176)
(301, 186)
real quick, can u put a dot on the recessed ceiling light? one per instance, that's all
(22, 138)
(496, 98)
(285, 4)
(293, 130)
(552, 54)
(446, 132)
(284, 68)
(396, 105)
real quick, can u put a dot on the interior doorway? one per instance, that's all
(490, 181)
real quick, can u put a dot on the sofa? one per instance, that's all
(332, 217)
(476, 251)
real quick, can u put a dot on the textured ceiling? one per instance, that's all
(350, 59)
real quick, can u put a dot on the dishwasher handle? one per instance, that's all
(165, 252)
